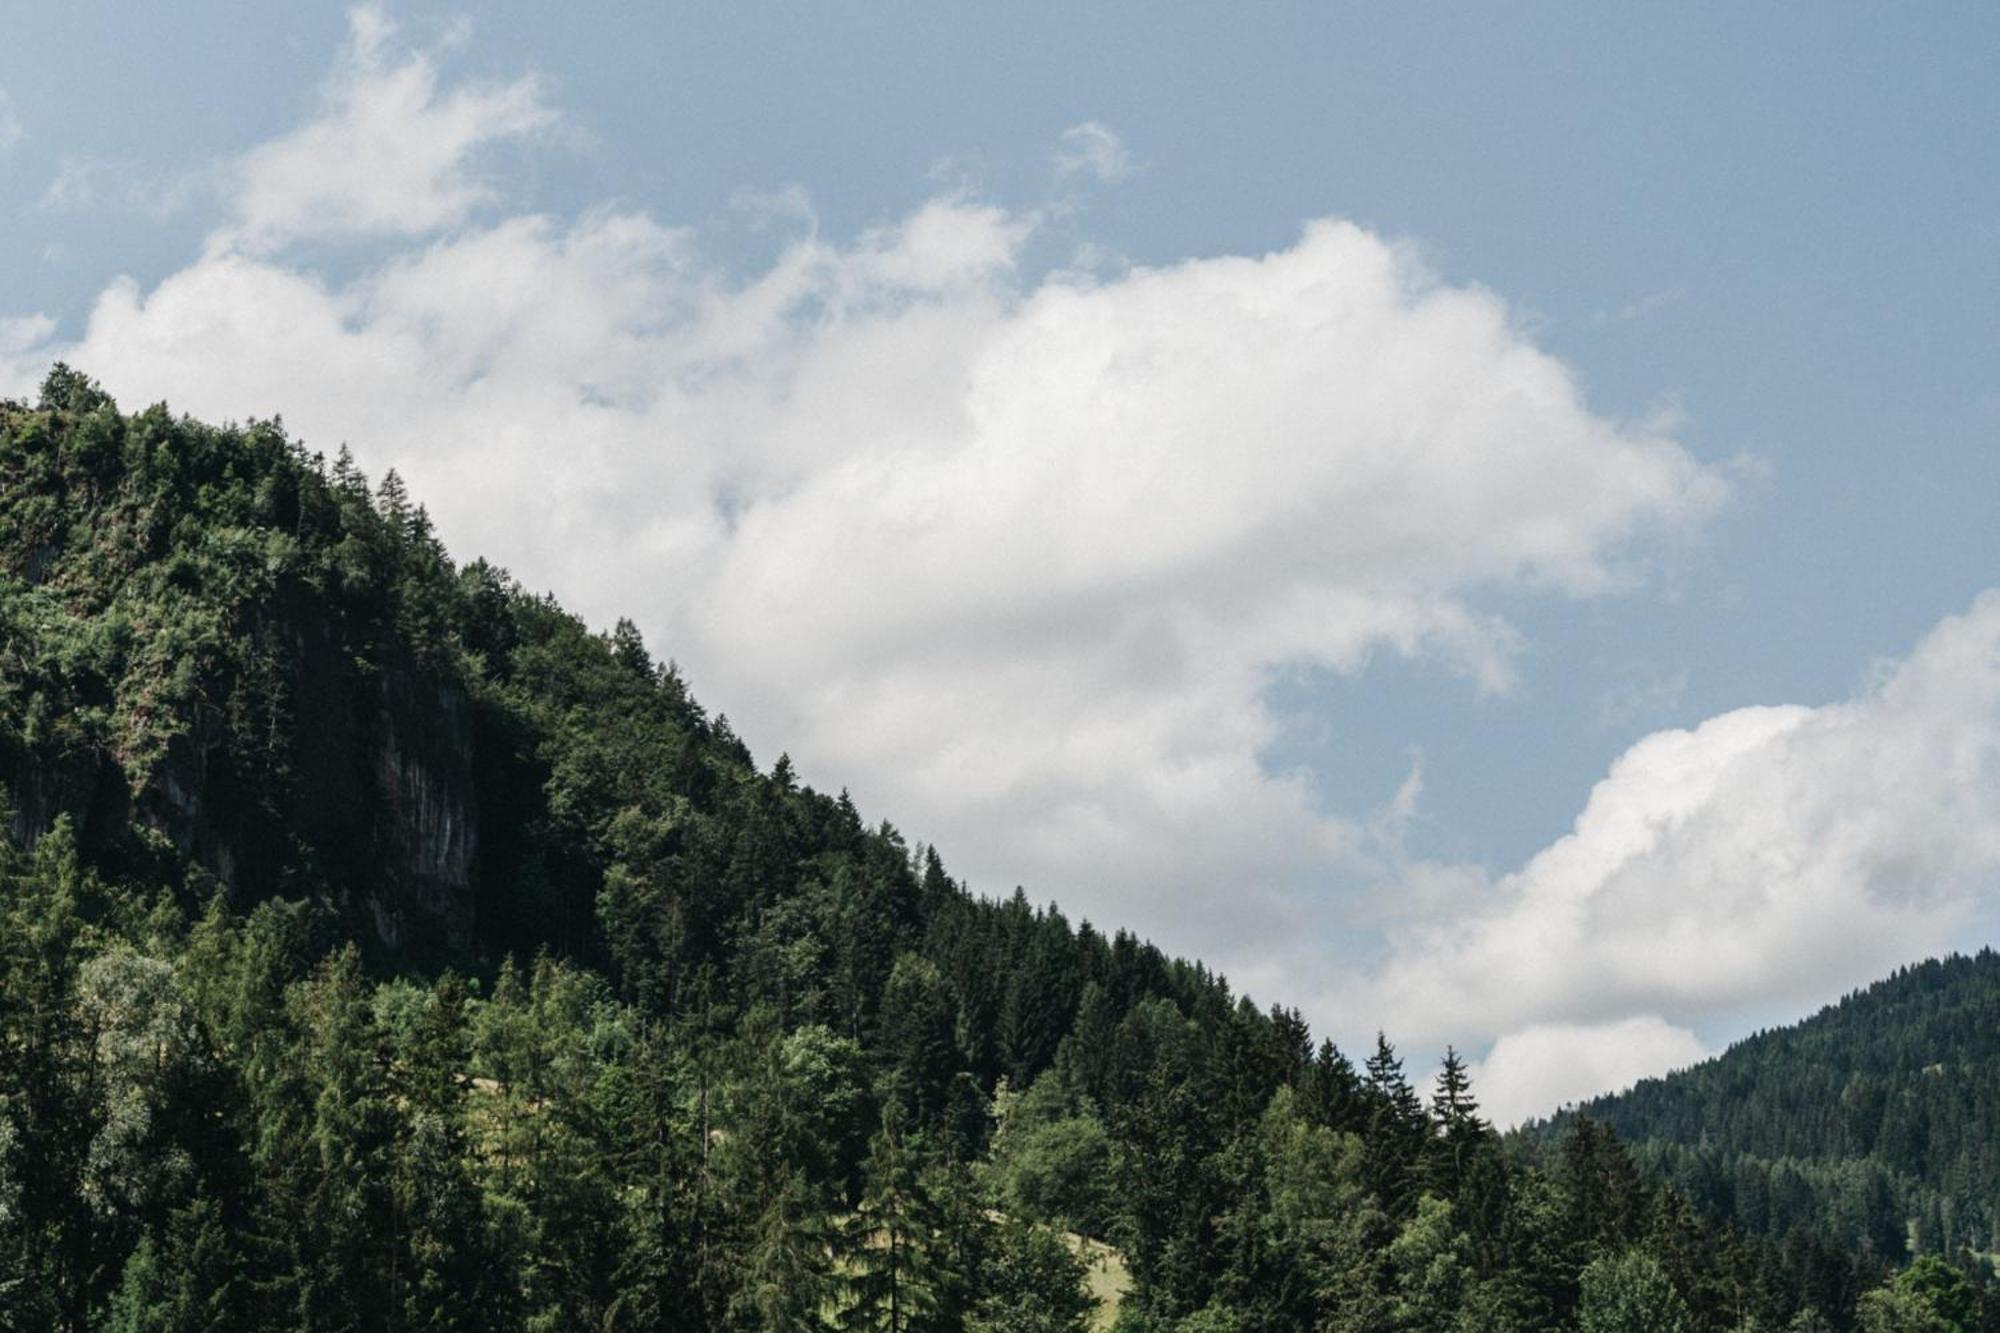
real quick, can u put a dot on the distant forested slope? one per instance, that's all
(381, 948)
(1876, 1121)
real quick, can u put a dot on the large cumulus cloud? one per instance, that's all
(1748, 868)
(1012, 553)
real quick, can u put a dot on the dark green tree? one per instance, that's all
(1398, 1131)
(897, 1277)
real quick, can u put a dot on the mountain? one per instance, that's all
(382, 948)
(1876, 1121)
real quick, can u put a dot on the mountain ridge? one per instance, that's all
(1871, 1120)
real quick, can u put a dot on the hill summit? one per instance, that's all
(1875, 1121)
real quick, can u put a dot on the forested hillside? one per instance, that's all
(384, 949)
(1877, 1121)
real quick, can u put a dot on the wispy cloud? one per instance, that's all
(74, 187)
(390, 154)
(85, 184)
(1644, 694)
(11, 129)
(1095, 151)
(1640, 307)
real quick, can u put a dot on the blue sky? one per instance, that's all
(1766, 242)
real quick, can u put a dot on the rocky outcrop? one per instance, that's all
(428, 813)
(80, 783)
(377, 795)
(222, 659)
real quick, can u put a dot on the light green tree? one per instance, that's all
(1432, 1263)
(1930, 1296)
(1630, 1293)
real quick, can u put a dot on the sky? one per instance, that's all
(1477, 523)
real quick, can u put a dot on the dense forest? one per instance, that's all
(384, 949)
(1877, 1121)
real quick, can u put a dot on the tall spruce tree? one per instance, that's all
(895, 1257)
(1398, 1131)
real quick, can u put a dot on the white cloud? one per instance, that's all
(1093, 150)
(389, 155)
(22, 336)
(1641, 307)
(1533, 1072)
(1770, 858)
(74, 186)
(1014, 557)
(84, 183)
(11, 129)
(1643, 692)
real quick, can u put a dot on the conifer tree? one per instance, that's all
(49, 1106)
(329, 1134)
(446, 1281)
(787, 1280)
(1459, 1134)
(659, 1279)
(392, 502)
(895, 1260)
(1603, 1196)
(1398, 1131)
(918, 1055)
(189, 1280)
(1331, 1091)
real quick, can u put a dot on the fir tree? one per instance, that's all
(897, 1277)
(1398, 1130)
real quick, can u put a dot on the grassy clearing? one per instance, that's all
(1109, 1281)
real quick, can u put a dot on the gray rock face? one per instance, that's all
(389, 816)
(429, 812)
